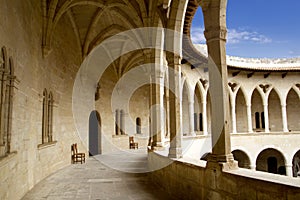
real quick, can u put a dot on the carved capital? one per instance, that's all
(219, 33)
(204, 4)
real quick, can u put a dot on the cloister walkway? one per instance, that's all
(96, 181)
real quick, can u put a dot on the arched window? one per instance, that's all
(6, 101)
(138, 125)
(47, 117)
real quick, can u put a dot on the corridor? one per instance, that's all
(97, 181)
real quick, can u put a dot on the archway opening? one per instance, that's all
(242, 158)
(272, 161)
(296, 164)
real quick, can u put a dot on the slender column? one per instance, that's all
(175, 150)
(191, 118)
(204, 117)
(249, 119)
(253, 167)
(233, 115)
(167, 113)
(284, 118)
(289, 170)
(157, 99)
(122, 122)
(266, 114)
(215, 33)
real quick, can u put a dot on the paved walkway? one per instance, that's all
(96, 181)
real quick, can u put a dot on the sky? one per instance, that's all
(258, 28)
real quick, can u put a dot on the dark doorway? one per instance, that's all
(94, 133)
(272, 165)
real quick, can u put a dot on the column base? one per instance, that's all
(2, 150)
(226, 162)
(175, 153)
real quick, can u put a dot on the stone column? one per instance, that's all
(266, 111)
(191, 118)
(167, 114)
(175, 150)
(284, 118)
(289, 170)
(157, 99)
(215, 33)
(122, 122)
(233, 114)
(204, 117)
(249, 118)
(157, 110)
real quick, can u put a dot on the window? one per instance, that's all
(47, 123)
(138, 125)
(6, 101)
(257, 120)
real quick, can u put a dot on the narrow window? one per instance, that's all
(6, 103)
(201, 121)
(138, 125)
(195, 122)
(47, 117)
(257, 120)
(117, 123)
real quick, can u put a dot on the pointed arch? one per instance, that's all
(293, 110)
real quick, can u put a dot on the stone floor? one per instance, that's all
(96, 180)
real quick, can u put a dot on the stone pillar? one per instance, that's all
(289, 170)
(249, 118)
(204, 117)
(157, 100)
(253, 167)
(284, 118)
(175, 150)
(167, 114)
(215, 33)
(233, 114)
(191, 118)
(122, 122)
(266, 114)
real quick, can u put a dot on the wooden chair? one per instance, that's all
(77, 157)
(132, 144)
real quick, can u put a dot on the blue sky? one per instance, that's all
(258, 28)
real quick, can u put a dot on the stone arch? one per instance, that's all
(293, 110)
(270, 160)
(275, 117)
(95, 135)
(242, 158)
(241, 112)
(256, 107)
(296, 164)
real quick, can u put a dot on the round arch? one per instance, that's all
(271, 160)
(296, 164)
(242, 158)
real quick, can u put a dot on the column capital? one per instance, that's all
(216, 33)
